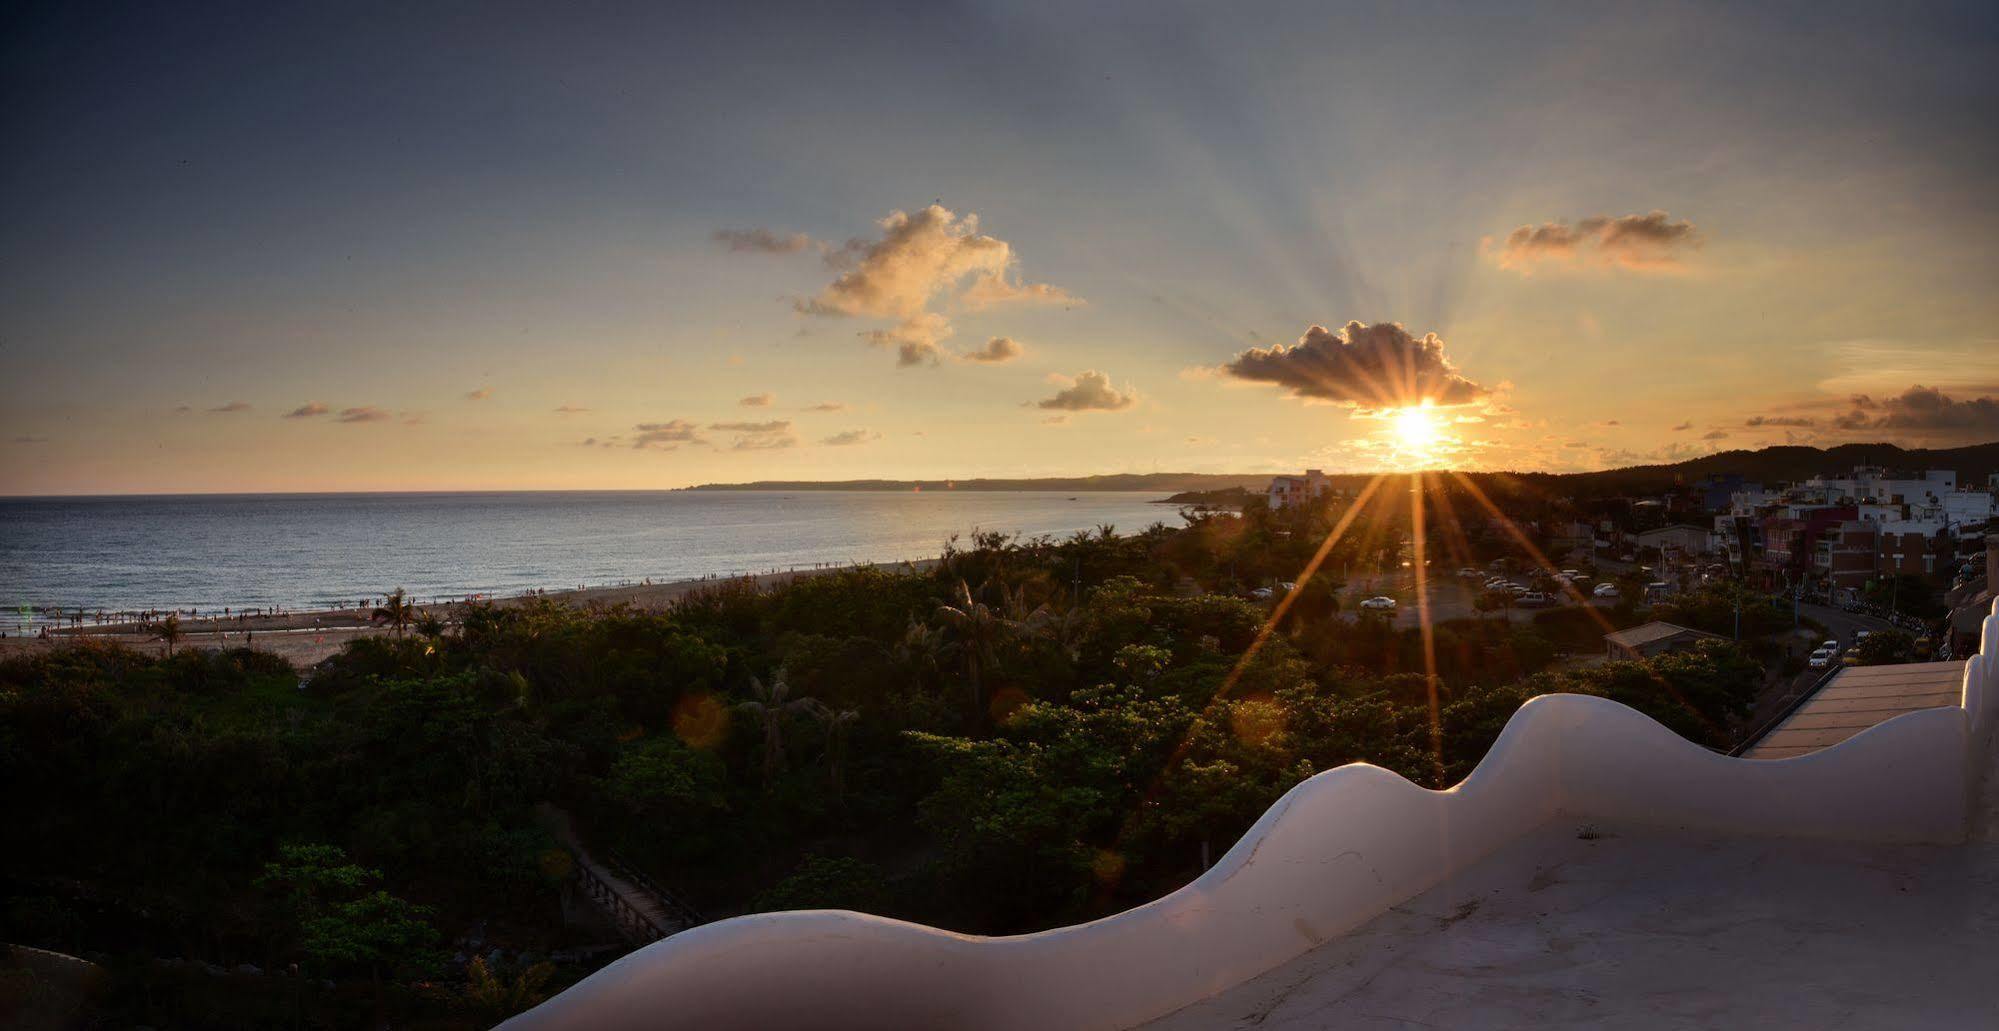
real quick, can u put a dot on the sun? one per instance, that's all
(1417, 429)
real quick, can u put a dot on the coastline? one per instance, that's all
(308, 636)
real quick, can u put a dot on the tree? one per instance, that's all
(977, 633)
(838, 724)
(497, 997)
(770, 705)
(397, 610)
(167, 631)
(1885, 646)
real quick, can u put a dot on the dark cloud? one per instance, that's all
(665, 436)
(828, 406)
(1715, 435)
(773, 426)
(231, 407)
(763, 241)
(569, 410)
(1683, 427)
(1640, 242)
(1922, 411)
(1090, 392)
(1378, 366)
(363, 413)
(851, 437)
(997, 350)
(1779, 420)
(480, 394)
(307, 410)
(756, 401)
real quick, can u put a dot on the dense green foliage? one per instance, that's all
(1031, 733)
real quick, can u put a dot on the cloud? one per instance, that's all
(828, 406)
(182, 409)
(1715, 435)
(569, 410)
(1090, 392)
(763, 241)
(480, 394)
(757, 401)
(231, 407)
(758, 436)
(30, 438)
(307, 410)
(922, 263)
(851, 437)
(997, 350)
(915, 339)
(1922, 411)
(1378, 366)
(363, 413)
(1648, 242)
(665, 436)
(1683, 427)
(1779, 420)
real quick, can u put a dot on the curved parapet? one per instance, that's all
(1333, 853)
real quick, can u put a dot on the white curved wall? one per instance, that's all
(1334, 852)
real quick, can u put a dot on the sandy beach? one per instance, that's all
(304, 638)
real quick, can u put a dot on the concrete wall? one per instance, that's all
(1336, 851)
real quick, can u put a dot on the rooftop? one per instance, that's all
(1858, 698)
(1648, 633)
(1641, 928)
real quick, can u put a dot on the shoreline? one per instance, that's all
(306, 636)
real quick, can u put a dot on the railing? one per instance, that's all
(629, 918)
(676, 908)
(1763, 729)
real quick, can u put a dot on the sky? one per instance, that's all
(498, 246)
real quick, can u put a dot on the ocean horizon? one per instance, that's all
(205, 552)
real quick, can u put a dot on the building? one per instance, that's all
(1846, 555)
(1915, 547)
(1285, 491)
(1678, 539)
(1655, 638)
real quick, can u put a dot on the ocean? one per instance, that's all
(309, 551)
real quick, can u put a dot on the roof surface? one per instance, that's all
(1657, 630)
(1641, 928)
(1858, 698)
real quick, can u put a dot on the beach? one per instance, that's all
(304, 638)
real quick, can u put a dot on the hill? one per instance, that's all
(1118, 481)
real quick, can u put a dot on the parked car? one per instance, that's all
(1830, 645)
(1380, 602)
(1605, 590)
(1263, 594)
(1862, 635)
(1469, 573)
(1534, 600)
(1820, 659)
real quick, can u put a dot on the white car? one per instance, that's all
(1820, 659)
(1262, 594)
(1380, 602)
(1605, 591)
(1863, 635)
(1831, 646)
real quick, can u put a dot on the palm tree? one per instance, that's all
(398, 610)
(921, 650)
(770, 705)
(167, 631)
(978, 632)
(838, 723)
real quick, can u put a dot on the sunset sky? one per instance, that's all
(484, 246)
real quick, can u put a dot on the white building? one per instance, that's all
(1286, 491)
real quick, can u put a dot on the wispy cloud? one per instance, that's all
(363, 413)
(827, 406)
(665, 436)
(231, 407)
(851, 437)
(757, 401)
(308, 410)
(758, 436)
(1642, 243)
(30, 438)
(569, 410)
(764, 241)
(480, 394)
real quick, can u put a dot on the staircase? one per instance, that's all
(642, 910)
